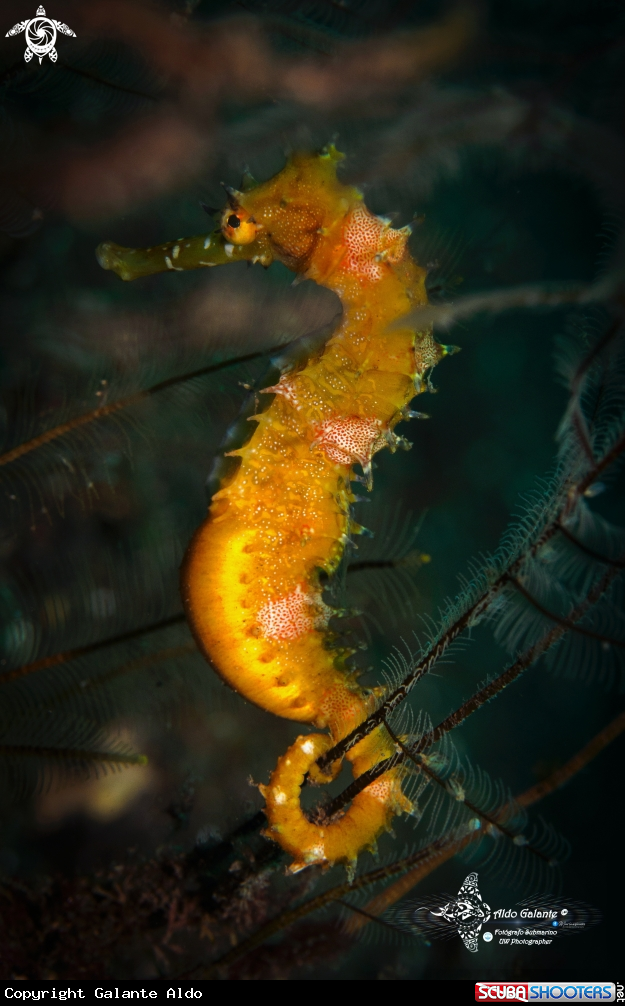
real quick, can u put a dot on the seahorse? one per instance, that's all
(282, 516)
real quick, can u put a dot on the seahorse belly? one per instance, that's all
(252, 592)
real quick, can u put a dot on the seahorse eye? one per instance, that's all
(239, 228)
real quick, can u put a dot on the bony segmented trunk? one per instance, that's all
(251, 577)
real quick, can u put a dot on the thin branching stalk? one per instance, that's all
(62, 429)
(496, 301)
(81, 651)
(604, 560)
(575, 764)
(479, 698)
(601, 466)
(491, 821)
(123, 670)
(565, 622)
(75, 756)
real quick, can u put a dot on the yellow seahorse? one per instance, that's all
(250, 580)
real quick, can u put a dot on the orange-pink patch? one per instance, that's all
(292, 615)
(347, 439)
(370, 241)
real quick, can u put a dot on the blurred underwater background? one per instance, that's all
(130, 838)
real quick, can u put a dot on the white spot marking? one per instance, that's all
(176, 251)
(315, 853)
(168, 262)
(207, 242)
(308, 747)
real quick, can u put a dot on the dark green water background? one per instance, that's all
(496, 215)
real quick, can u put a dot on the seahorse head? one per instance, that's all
(292, 215)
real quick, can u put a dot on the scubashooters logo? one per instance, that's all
(40, 33)
(468, 912)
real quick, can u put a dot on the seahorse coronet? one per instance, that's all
(251, 577)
